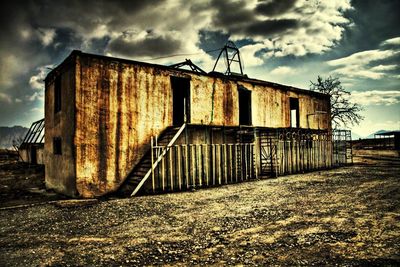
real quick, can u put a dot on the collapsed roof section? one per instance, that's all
(35, 133)
(190, 64)
(229, 54)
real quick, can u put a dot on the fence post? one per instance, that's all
(179, 156)
(257, 153)
(152, 162)
(225, 164)
(199, 163)
(171, 169)
(186, 165)
(207, 164)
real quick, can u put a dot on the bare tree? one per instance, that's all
(343, 111)
(17, 141)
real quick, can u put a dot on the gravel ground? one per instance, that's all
(346, 216)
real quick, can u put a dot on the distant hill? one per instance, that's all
(8, 134)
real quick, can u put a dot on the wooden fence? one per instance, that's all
(196, 165)
(290, 153)
(267, 153)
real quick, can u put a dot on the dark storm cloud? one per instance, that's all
(79, 17)
(274, 7)
(372, 23)
(98, 45)
(86, 13)
(269, 27)
(236, 18)
(231, 14)
(40, 33)
(153, 45)
(210, 40)
(20, 50)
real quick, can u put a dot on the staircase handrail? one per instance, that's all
(159, 158)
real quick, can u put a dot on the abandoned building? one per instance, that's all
(114, 124)
(31, 149)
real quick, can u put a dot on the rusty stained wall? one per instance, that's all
(215, 101)
(26, 156)
(120, 105)
(308, 105)
(60, 169)
(118, 108)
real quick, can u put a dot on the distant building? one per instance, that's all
(391, 139)
(101, 114)
(31, 148)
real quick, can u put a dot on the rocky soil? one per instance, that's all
(22, 184)
(346, 216)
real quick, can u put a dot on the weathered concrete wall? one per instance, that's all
(25, 154)
(119, 107)
(309, 108)
(216, 101)
(60, 169)
(40, 155)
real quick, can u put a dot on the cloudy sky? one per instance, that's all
(284, 41)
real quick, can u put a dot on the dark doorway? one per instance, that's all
(294, 112)
(180, 100)
(33, 155)
(244, 106)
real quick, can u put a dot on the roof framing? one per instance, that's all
(35, 133)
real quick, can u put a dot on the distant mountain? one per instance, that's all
(8, 134)
(377, 132)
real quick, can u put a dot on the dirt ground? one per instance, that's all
(346, 216)
(22, 184)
